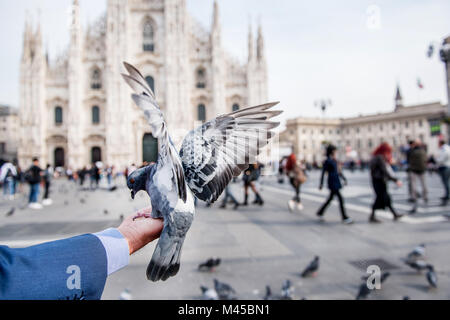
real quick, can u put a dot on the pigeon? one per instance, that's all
(126, 295)
(210, 156)
(406, 298)
(224, 290)
(209, 294)
(268, 295)
(419, 265)
(10, 212)
(364, 290)
(209, 265)
(312, 268)
(417, 253)
(286, 290)
(431, 276)
(105, 211)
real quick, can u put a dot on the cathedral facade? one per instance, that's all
(76, 109)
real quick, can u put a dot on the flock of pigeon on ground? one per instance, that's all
(222, 291)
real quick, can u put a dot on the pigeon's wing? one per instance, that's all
(222, 148)
(145, 99)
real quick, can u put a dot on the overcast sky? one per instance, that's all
(315, 49)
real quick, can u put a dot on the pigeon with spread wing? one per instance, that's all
(210, 156)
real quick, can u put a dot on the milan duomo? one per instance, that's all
(76, 109)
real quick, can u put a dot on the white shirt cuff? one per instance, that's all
(116, 247)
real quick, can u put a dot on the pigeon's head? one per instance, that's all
(136, 181)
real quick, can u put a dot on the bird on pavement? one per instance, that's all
(417, 253)
(312, 268)
(209, 265)
(286, 290)
(10, 212)
(224, 290)
(431, 277)
(126, 295)
(209, 294)
(268, 295)
(418, 265)
(210, 156)
(364, 289)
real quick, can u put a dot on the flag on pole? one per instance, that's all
(419, 83)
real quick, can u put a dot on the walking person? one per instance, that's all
(250, 176)
(229, 195)
(443, 163)
(297, 177)
(8, 175)
(381, 173)
(417, 165)
(48, 174)
(330, 166)
(33, 177)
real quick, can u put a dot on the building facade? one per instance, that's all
(77, 109)
(9, 128)
(357, 137)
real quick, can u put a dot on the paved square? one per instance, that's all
(258, 245)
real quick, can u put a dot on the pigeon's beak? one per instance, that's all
(133, 194)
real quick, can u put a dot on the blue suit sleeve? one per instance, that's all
(74, 268)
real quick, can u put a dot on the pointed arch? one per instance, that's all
(148, 35)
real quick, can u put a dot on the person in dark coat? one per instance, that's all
(381, 172)
(330, 166)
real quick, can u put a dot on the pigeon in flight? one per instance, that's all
(210, 156)
(209, 265)
(431, 277)
(209, 294)
(312, 268)
(417, 253)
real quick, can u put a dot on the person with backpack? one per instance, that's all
(297, 177)
(33, 177)
(251, 175)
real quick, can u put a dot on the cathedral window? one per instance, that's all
(95, 115)
(150, 82)
(201, 112)
(96, 81)
(235, 107)
(148, 37)
(58, 115)
(201, 78)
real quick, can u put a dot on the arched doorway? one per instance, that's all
(59, 157)
(149, 148)
(96, 154)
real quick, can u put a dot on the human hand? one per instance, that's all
(399, 183)
(140, 229)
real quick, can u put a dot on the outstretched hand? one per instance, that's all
(140, 229)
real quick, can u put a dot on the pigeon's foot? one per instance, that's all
(142, 215)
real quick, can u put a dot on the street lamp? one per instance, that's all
(444, 53)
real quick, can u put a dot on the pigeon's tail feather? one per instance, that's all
(165, 261)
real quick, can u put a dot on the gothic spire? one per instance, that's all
(398, 98)
(250, 43)
(260, 44)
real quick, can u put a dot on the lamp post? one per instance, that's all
(444, 53)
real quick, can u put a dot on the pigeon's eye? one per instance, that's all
(132, 180)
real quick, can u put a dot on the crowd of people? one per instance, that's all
(381, 172)
(12, 178)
